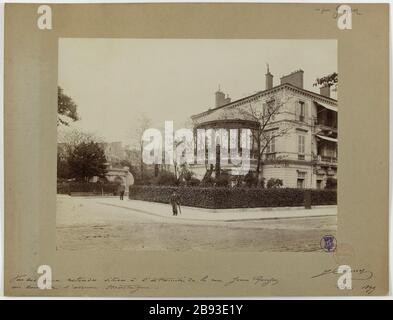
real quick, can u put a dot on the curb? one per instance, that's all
(214, 220)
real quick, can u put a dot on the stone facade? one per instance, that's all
(306, 155)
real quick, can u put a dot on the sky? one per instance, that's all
(114, 81)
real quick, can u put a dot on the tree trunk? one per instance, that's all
(141, 162)
(258, 170)
(260, 175)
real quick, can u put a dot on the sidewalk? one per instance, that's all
(224, 215)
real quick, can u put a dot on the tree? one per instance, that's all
(273, 183)
(186, 175)
(66, 108)
(263, 136)
(166, 179)
(250, 180)
(86, 160)
(331, 183)
(330, 80)
(223, 179)
(143, 124)
(67, 142)
(176, 143)
(62, 163)
(70, 139)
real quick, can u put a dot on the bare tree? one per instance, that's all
(264, 134)
(137, 133)
(70, 139)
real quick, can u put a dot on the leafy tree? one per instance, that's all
(66, 108)
(194, 182)
(223, 179)
(86, 160)
(250, 179)
(62, 167)
(273, 183)
(166, 179)
(330, 80)
(185, 174)
(331, 183)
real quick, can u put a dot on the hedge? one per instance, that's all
(87, 187)
(225, 198)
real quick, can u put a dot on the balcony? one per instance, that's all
(325, 160)
(325, 127)
(329, 159)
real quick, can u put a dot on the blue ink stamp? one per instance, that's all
(328, 243)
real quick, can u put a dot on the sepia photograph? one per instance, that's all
(197, 144)
(195, 150)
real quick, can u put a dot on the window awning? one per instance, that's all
(326, 138)
(333, 108)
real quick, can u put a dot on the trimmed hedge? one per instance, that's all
(87, 187)
(226, 198)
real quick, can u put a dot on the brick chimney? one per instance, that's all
(325, 91)
(295, 78)
(268, 79)
(220, 98)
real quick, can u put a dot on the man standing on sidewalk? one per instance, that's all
(122, 189)
(174, 201)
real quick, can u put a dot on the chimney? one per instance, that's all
(220, 98)
(325, 91)
(269, 79)
(295, 78)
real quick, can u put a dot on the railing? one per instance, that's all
(271, 156)
(327, 159)
(326, 126)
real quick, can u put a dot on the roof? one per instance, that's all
(264, 92)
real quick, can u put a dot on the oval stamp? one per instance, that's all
(328, 243)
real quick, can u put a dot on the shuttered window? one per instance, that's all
(301, 144)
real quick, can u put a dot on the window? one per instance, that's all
(301, 178)
(271, 156)
(319, 184)
(301, 175)
(300, 183)
(271, 146)
(302, 111)
(301, 144)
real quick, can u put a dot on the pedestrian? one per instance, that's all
(175, 202)
(122, 189)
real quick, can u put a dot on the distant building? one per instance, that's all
(307, 155)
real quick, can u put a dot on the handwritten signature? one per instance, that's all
(335, 11)
(361, 274)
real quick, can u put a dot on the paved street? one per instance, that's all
(97, 223)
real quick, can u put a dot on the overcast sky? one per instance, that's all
(114, 80)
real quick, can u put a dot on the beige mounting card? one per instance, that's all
(107, 194)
